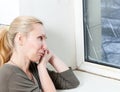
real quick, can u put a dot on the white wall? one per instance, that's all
(8, 10)
(58, 17)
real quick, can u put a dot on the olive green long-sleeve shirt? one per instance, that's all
(13, 79)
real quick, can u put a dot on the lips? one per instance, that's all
(39, 57)
(41, 54)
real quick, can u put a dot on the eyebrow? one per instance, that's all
(43, 35)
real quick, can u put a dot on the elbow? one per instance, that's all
(73, 84)
(70, 85)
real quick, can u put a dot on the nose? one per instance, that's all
(44, 45)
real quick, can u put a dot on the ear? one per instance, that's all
(19, 38)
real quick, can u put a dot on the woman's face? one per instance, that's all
(35, 43)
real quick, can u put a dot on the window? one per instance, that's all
(99, 34)
(102, 32)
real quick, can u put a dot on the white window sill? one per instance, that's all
(94, 83)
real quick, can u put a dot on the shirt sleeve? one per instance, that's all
(64, 80)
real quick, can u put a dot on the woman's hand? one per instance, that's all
(45, 59)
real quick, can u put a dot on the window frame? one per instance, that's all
(81, 64)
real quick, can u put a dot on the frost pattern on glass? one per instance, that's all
(110, 18)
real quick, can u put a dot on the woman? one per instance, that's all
(23, 58)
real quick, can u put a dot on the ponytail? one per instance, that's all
(5, 50)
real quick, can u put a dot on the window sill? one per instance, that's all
(101, 70)
(94, 83)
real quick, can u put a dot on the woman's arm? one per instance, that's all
(64, 78)
(46, 82)
(58, 64)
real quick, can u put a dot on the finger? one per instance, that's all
(44, 58)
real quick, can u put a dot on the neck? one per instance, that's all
(24, 67)
(28, 73)
(20, 62)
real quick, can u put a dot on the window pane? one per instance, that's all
(102, 31)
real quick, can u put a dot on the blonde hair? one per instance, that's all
(20, 24)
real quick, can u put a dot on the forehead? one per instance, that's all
(38, 29)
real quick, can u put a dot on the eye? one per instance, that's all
(40, 38)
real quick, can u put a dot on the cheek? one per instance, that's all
(33, 47)
(33, 54)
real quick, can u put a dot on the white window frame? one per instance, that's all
(102, 70)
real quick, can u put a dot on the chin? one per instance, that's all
(36, 60)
